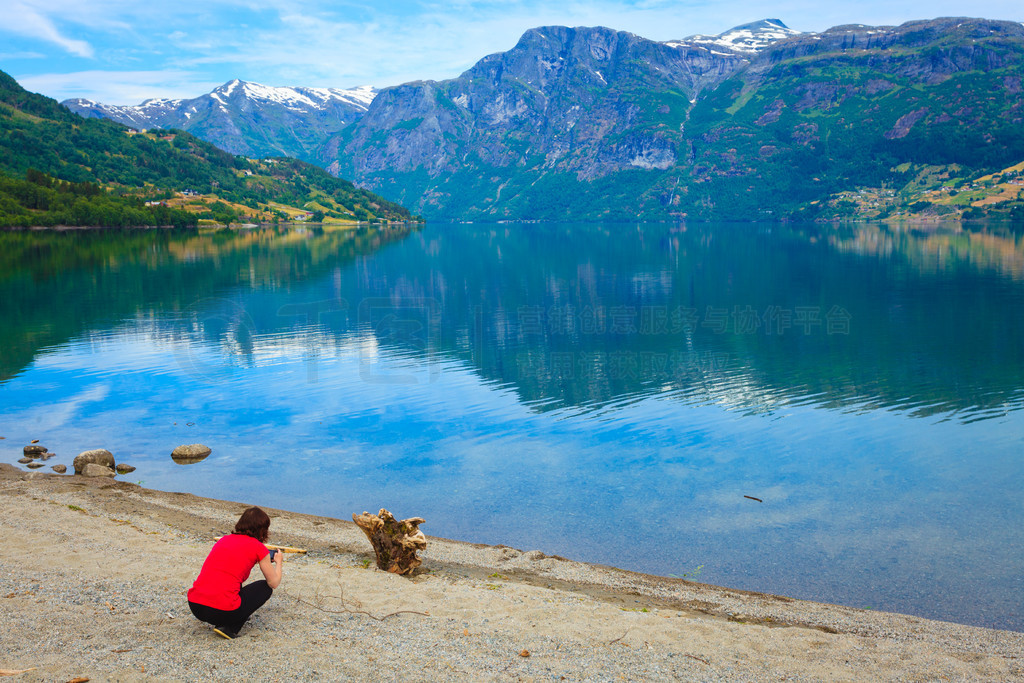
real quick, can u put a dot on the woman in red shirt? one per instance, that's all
(217, 595)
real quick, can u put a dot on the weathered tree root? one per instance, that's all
(394, 542)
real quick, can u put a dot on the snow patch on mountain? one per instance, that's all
(748, 38)
(362, 93)
(296, 98)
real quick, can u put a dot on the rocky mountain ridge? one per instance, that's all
(247, 118)
(584, 101)
(256, 120)
(591, 123)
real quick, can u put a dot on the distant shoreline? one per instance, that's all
(250, 226)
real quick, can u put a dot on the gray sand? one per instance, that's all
(94, 574)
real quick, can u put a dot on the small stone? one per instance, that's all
(98, 456)
(47, 455)
(94, 470)
(190, 453)
(34, 450)
(60, 469)
(34, 465)
(124, 469)
(24, 461)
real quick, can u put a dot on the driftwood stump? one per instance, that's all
(394, 542)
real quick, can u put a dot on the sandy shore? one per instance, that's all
(94, 574)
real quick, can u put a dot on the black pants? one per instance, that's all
(253, 596)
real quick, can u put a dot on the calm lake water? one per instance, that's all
(616, 394)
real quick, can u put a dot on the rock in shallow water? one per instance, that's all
(60, 469)
(190, 453)
(94, 470)
(24, 461)
(34, 450)
(124, 469)
(98, 456)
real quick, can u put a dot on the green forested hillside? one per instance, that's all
(58, 168)
(895, 123)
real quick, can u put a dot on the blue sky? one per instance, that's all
(124, 51)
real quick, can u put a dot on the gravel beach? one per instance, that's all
(94, 574)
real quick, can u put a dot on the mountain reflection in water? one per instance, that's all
(864, 382)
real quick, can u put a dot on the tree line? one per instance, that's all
(42, 200)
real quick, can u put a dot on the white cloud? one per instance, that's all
(26, 20)
(118, 87)
(60, 414)
(393, 44)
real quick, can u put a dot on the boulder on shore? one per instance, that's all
(98, 456)
(190, 453)
(94, 470)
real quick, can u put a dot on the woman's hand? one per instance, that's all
(273, 570)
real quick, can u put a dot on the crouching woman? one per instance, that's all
(217, 596)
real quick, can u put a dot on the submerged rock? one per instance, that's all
(59, 469)
(98, 456)
(190, 453)
(94, 470)
(124, 469)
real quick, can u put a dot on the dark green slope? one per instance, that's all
(58, 168)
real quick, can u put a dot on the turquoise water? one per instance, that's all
(826, 413)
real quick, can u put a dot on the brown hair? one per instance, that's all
(254, 522)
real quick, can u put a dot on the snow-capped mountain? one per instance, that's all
(749, 38)
(295, 98)
(247, 118)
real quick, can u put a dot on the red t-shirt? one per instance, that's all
(226, 568)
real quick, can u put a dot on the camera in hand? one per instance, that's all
(272, 553)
